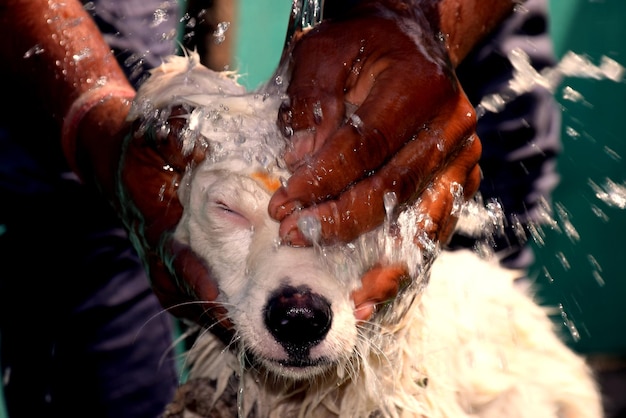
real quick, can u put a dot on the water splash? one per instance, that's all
(611, 193)
(526, 78)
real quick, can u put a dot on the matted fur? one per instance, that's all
(460, 341)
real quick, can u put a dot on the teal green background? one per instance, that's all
(260, 39)
(591, 283)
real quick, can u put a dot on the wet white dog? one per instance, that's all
(461, 341)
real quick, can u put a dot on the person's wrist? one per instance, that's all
(418, 19)
(94, 134)
(77, 112)
(405, 8)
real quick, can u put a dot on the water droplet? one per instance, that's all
(518, 228)
(310, 227)
(572, 133)
(599, 213)
(572, 95)
(598, 277)
(493, 103)
(356, 121)
(612, 153)
(82, 54)
(612, 69)
(569, 324)
(611, 193)
(563, 260)
(547, 274)
(162, 191)
(390, 201)
(35, 50)
(318, 113)
(219, 35)
(566, 223)
(456, 190)
(158, 17)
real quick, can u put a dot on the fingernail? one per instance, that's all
(365, 311)
(293, 237)
(277, 207)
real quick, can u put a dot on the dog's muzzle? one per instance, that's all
(298, 319)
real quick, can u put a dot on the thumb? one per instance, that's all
(379, 284)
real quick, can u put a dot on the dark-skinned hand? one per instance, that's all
(151, 166)
(374, 108)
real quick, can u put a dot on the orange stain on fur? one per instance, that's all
(271, 183)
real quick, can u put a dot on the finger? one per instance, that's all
(379, 285)
(382, 124)
(443, 199)
(173, 149)
(199, 282)
(171, 296)
(149, 197)
(307, 123)
(316, 90)
(362, 207)
(190, 268)
(185, 286)
(169, 140)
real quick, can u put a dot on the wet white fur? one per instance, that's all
(462, 342)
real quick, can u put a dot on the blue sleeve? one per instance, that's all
(141, 33)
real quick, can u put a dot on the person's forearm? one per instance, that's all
(462, 23)
(58, 49)
(56, 53)
(465, 23)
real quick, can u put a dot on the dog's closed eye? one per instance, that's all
(230, 215)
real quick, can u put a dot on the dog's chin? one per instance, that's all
(297, 369)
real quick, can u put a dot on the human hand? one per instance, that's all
(369, 115)
(153, 165)
(145, 195)
(412, 130)
(378, 285)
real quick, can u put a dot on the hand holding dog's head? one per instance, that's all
(292, 308)
(153, 164)
(371, 114)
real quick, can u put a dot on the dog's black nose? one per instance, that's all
(298, 319)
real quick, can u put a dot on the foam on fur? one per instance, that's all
(462, 341)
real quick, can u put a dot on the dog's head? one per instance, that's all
(290, 312)
(290, 307)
